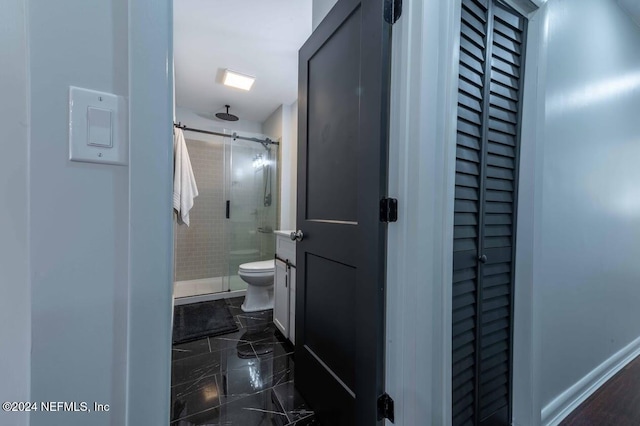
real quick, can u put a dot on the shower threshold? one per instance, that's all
(205, 289)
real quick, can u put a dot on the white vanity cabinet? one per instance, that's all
(284, 289)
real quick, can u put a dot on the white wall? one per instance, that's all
(587, 272)
(282, 125)
(289, 168)
(79, 215)
(15, 302)
(272, 126)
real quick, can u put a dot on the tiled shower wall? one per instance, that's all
(201, 249)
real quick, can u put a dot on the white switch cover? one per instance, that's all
(100, 125)
(97, 127)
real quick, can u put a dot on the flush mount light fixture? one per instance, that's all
(237, 80)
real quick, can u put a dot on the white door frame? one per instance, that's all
(150, 215)
(527, 406)
(421, 176)
(420, 245)
(424, 91)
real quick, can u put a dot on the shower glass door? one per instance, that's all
(252, 199)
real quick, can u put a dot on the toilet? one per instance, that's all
(259, 279)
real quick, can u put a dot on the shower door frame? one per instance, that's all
(229, 144)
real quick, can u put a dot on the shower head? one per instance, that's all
(226, 116)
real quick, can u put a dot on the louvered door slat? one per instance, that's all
(476, 9)
(498, 185)
(489, 92)
(498, 197)
(468, 128)
(498, 219)
(460, 353)
(467, 198)
(467, 33)
(507, 43)
(506, 55)
(470, 89)
(468, 45)
(474, 23)
(504, 94)
(500, 173)
(501, 138)
(505, 79)
(504, 103)
(505, 67)
(506, 151)
(469, 115)
(496, 277)
(466, 193)
(463, 326)
(514, 21)
(492, 326)
(464, 287)
(470, 181)
(464, 274)
(498, 230)
(468, 141)
(462, 386)
(505, 30)
(499, 400)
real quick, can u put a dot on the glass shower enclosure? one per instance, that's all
(233, 218)
(252, 205)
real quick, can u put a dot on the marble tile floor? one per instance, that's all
(242, 378)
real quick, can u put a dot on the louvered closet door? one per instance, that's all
(491, 60)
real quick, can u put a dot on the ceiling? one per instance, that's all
(633, 7)
(256, 37)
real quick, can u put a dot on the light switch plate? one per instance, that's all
(97, 127)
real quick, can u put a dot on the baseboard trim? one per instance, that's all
(554, 412)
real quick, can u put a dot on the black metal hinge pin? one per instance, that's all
(385, 408)
(388, 210)
(392, 11)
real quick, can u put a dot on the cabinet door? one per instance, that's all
(281, 298)
(292, 305)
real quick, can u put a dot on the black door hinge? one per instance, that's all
(392, 10)
(388, 210)
(385, 408)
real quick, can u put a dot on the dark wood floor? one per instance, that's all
(616, 403)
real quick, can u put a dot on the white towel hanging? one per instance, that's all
(184, 182)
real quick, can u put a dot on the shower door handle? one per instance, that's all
(296, 235)
(228, 209)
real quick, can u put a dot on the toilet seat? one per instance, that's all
(258, 268)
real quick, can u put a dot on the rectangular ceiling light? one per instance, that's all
(237, 80)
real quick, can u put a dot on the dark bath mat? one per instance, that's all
(197, 320)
